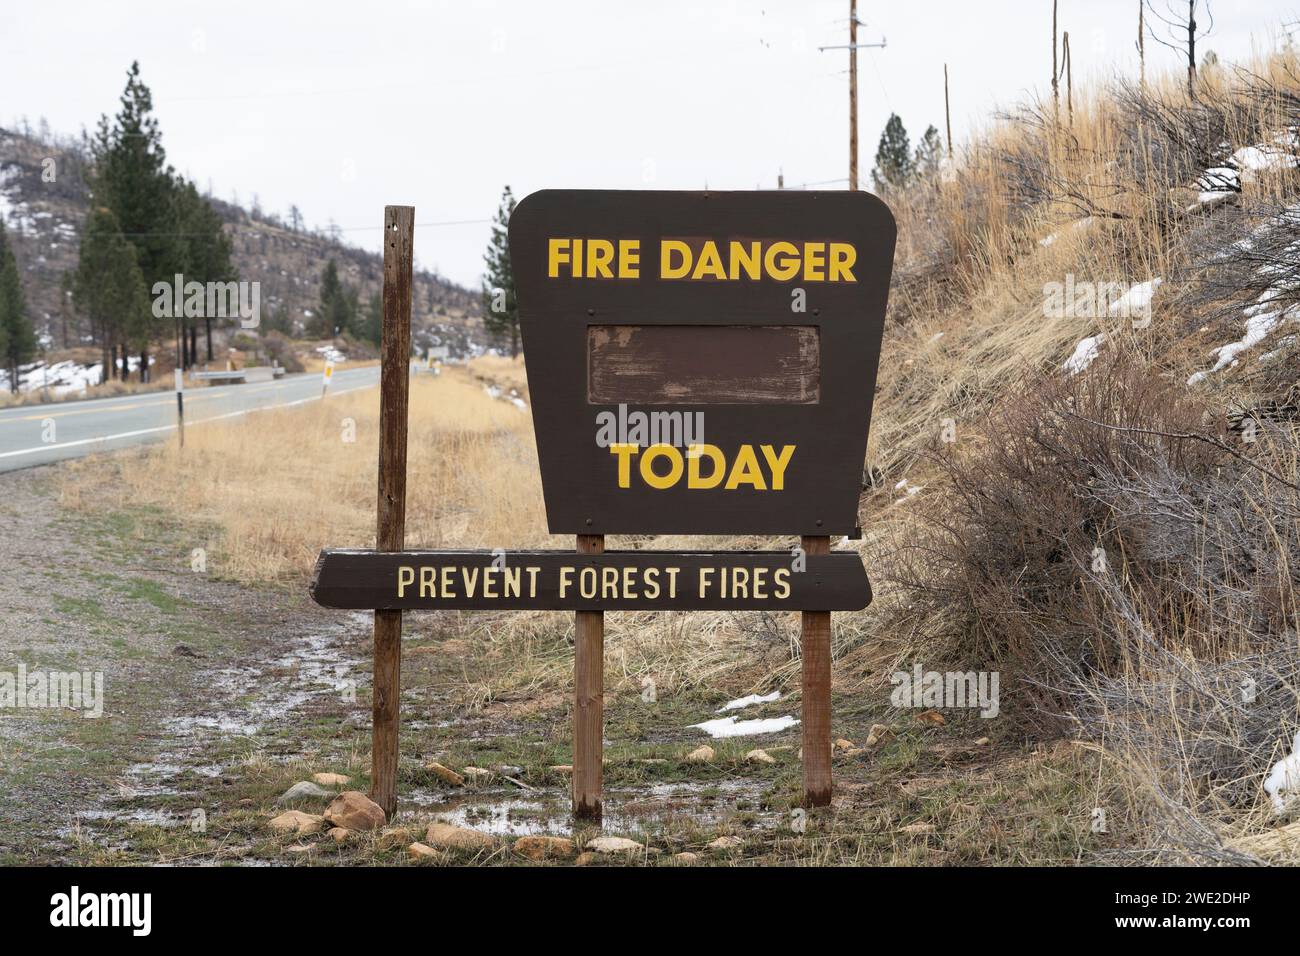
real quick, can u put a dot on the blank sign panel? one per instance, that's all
(703, 364)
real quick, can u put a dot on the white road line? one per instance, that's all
(166, 428)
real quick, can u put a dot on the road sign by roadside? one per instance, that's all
(698, 363)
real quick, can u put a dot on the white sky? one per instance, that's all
(343, 107)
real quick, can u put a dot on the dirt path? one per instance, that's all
(198, 674)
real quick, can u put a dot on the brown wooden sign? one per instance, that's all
(697, 363)
(700, 362)
(609, 581)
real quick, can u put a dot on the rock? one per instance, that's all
(303, 790)
(445, 774)
(584, 858)
(338, 834)
(917, 829)
(878, 734)
(759, 756)
(353, 810)
(561, 768)
(725, 843)
(611, 844)
(450, 837)
(843, 744)
(982, 742)
(476, 773)
(421, 851)
(394, 837)
(700, 755)
(540, 847)
(295, 821)
(931, 717)
(330, 779)
(685, 859)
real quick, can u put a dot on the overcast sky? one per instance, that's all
(343, 107)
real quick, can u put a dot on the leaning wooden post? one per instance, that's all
(816, 647)
(588, 699)
(399, 222)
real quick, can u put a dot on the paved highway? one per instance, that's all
(80, 428)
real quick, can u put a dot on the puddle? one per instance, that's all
(626, 811)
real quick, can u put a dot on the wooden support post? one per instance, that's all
(394, 383)
(816, 647)
(588, 700)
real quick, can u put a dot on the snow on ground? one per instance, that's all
(1084, 353)
(60, 377)
(751, 700)
(1137, 300)
(1246, 165)
(730, 727)
(1257, 328)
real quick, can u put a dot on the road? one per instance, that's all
(39, 434)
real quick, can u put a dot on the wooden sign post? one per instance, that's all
(394, 384)
(698, 363)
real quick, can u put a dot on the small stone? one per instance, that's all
(540, 847)
(450, 837)
(759, 756)
(612, 844)
(931, 717)
(476, 773)
(394, 837)
(584, 858)
(330, 779)
(878, 734)
(725, 843)
(700, 755)
(843, 744)
(917, 829)
(353, 810)
(445, 774)
(338, 834)
(982, 742)
(561, 768)
(295, 821)
(303, 790)
(421, 851)
(686, 859)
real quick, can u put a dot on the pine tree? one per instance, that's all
(17, 337)
(205, 249)
(371, 325)
(500, 306)
(929, 154)
(337, 311)
(109, 288)
(893, 157)
(133, 180)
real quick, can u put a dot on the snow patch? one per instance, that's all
(749, 701)
(730, 727)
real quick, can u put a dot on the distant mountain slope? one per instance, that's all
(43, 220)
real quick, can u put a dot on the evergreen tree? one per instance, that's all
(371, 324)
(17, 337)
(893, 157)
(109, 288)
(500, 306)
(133, 180)
(205, 250)
(339, 310)
(929, 154)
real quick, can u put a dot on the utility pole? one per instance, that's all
(853, 47)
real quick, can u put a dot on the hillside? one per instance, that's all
(44, 218)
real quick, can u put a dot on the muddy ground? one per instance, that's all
(218, 698)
